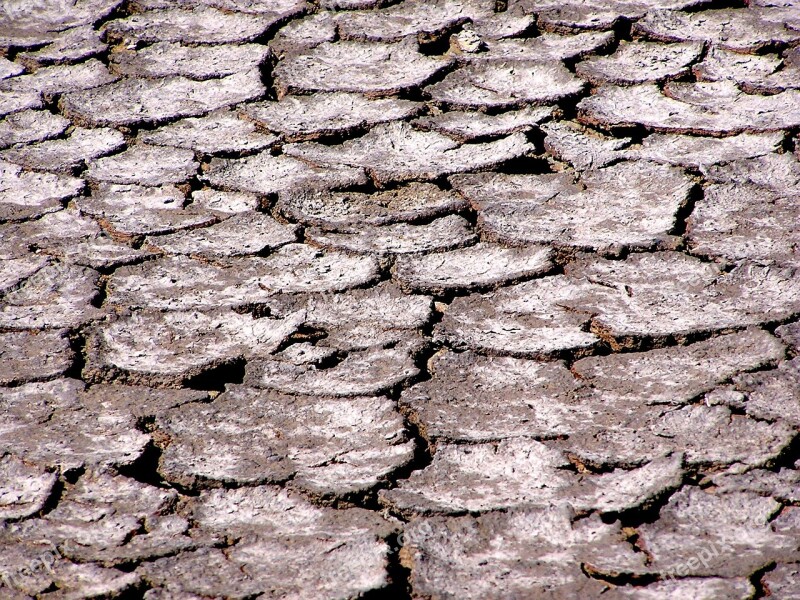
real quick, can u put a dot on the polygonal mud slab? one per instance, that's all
(476, 267)
(60, 79)
(195, 62)
(308, 117)
(144, 165)
(719, 108)
(442, 234)
(783, 580)
(359, 374)
(755, 74)
(583, 149)
(26, 24)
(60, 433)
(303, 34)
(111, 520)
(74, 239)
(790, 334)
(486, 189)
(269, 175)
(289, 547)
(11, 102)
(660, 295)
(337, 211)
(132, 210)
(368, 68)
(33, 568)
(524, 473)
(31, 126)
(707, 588)
(701, 534)
(469, 126)
(640, 62)
(745, 222)
(57, 296)
(217, 133)
(67, 155)
(631, 204)
(740, 30)
(703, 152)
(428, 21)
(396, 152)
(70, 46)
(201, 25)
(225, 203)
(144, 403)
(169, 349)
(132, 101)
(505, 84)
(779, 173)
(9, 68)
(240, 235)
(380, 316)
(238, 282)
(26, 356)
(513, 554)
(506, 24)
(26, 195)
(326, 447)
(547, 47)
(770, 395)
(24, 488)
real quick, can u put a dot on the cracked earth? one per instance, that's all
(462, 299)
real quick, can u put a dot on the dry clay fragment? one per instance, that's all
(144, 165)
(308, 117)
(524, 473)
(744, 222)
(506, 84)
(222, 132)
(24, 488)
(109, 519)
(225, 203)
(646, 296)
(362, 373)
(26, 356)
(290, 547)
(240, 235)
(735, 534)
(515, 554)
(46, 425)
(703, 152)
(581, 148)
(754, 73)
(201, 25)
(473, 126)
(698, 108)
(771, 395)
(269, 175)
(779, 173)
(547, 47)
(9, 68)
(168, 349)
(428, 20)
(446, 233)
(133, 210)
(475, 267)
(67, 155)
(396, 152)
(302, 34)
(195, 62)
(640, 62)
(133, 101)
(73, 45)
(740, 30)
(337, 211)
(31, 126)
(60, 79)
(181, 283)
(26, 195)
(326, 447)
(56, 297)
(629, 204)
(368, 68)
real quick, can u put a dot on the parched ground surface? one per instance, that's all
(462, 299)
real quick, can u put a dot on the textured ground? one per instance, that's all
(464, 299)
